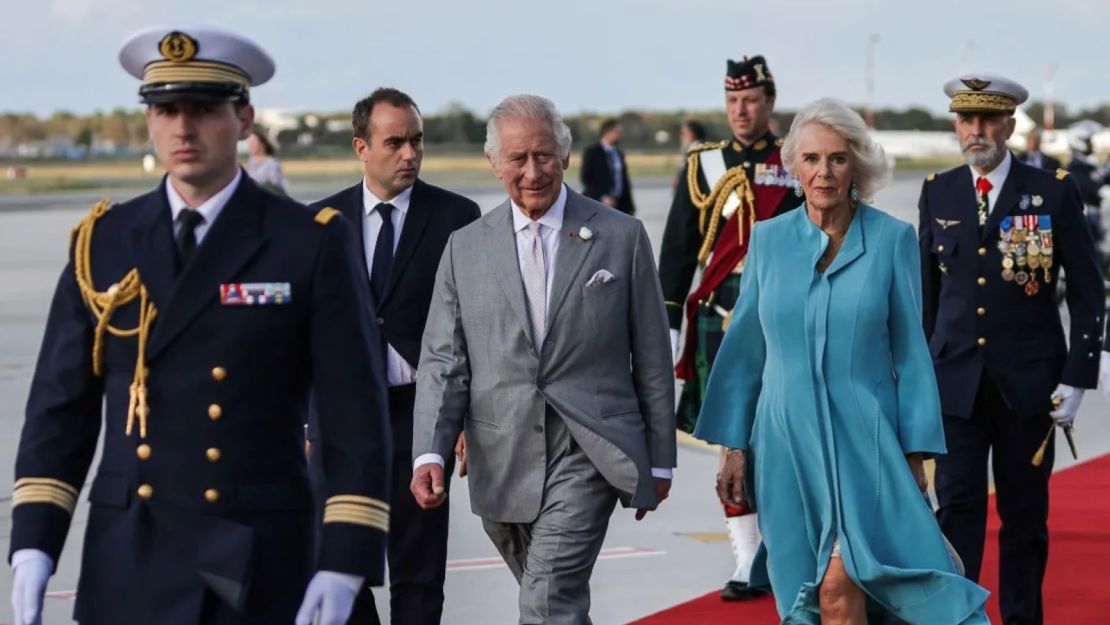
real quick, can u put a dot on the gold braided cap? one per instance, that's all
(982, 102)
(160, 72)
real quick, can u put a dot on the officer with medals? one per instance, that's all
(994, 235)
(189, 324)
(723, 190)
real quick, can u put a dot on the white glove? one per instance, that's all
(332, 594)
(1104, 373)
(674, 345)
(1069, 405)
(30, 570)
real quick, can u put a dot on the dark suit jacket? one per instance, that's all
(1048, 163)
(597, 177)
(433, 214)
(218, 502)
(996, 326)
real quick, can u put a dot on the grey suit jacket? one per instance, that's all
(605, 365)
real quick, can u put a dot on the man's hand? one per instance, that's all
(1104, 373)
(30, 572)
(332, 595)
(730, 481)
(609, 201)
(427, 486)
(674, 346)
(662, 491)
(1066, 399)
(917, 467)
(460, 453)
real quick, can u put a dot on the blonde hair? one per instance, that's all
(872, 169)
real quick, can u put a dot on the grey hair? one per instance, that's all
(872, 169)
(526, 106)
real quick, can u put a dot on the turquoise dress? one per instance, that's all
(826, 381)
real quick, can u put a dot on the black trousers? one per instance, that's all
(1021, 493)
(417, 546)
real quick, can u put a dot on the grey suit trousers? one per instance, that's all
(553, 556)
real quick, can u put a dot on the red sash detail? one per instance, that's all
(728, 251)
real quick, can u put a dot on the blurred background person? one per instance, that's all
(690, 135)
(824, 390)
(1033, 156)
(262, 165)
(604, 171)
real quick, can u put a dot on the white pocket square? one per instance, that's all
(601, 277)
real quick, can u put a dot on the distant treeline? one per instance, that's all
(455, 127)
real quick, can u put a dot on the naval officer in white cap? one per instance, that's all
(994, 235)
(189, 325)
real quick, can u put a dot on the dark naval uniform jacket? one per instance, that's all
(208, 518)
(685, 232)
(977, 321)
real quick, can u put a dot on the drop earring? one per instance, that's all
(854, 193)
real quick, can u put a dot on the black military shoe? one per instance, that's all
(740, 591)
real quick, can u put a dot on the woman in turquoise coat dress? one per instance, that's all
(825, 392)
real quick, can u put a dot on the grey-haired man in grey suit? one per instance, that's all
(547, 341)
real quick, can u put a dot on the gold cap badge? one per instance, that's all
(976, 84)
(178, 47)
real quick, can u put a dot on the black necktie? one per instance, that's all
(188, 221)
(383, 252)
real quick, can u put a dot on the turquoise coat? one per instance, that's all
(826, 381)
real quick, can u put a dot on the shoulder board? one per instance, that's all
(931, 177)
(325, 215)
(1061, 174)
(709, 145)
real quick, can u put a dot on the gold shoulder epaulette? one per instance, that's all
(325, 215)
(708, 145)
(1061, 174)
(931, 177)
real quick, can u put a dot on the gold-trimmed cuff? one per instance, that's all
(44, 490)
(670, 303)
(357, 510)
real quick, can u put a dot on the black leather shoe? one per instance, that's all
(740, 591)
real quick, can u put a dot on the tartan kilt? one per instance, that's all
(708, 335)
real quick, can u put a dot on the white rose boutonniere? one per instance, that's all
(585, 233)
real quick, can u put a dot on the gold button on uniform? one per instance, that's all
(215, 412)
(940, 248)
(982, 341)
(982, 251)
(219, 373)
(211, 495)
(981, 311)
(212, 454)
(982, 281)
(146, 491)
(143, 451)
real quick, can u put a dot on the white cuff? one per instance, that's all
(26, 555)
(666, 474)
(352, 582)
(428, 459)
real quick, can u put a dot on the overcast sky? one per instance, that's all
(596, 55)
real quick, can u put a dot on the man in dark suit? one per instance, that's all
(604, 172)
(994, 235)
(403, 224)
(1034, 157)
(193, 320)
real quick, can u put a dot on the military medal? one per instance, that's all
(1032, 287)
(1007, 263)
(255, 293)
(1008, 275)
(1021, 277)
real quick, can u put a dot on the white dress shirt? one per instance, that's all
(210, 209)
(996, 177)
(614, 158)
(397, 370)
(552, 222)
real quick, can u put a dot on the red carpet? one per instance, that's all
(1076, 588)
